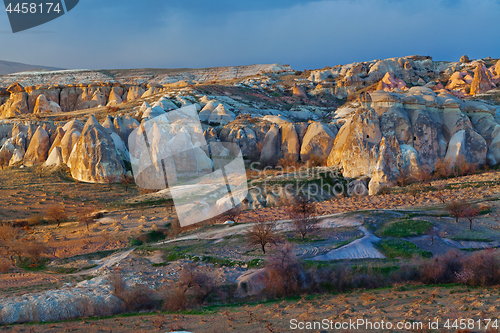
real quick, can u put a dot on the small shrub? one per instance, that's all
(288, 161)
(442, 269)
(138, 298)
(384, 190)
(317, 160)
(4, 265)
(485, 268)
(442, 168)
(283, 272)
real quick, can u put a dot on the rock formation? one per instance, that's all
(482, 81)
(94, 157)
(44, 105)
(38, 149)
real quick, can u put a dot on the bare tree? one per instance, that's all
(262, 233)
(57, 213)
(110, 180)
(234, 214)
(126, 180)
(302, 215)
(457, 209)
(433, 234)
(470, 213)
(85, 217)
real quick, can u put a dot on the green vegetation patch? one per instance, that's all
(406, 228)
(400, 248)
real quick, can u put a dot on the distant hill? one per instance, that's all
(8, 67)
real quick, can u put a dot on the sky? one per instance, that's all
(306, 34)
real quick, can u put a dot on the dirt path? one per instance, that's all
(107, 262)
(359, 249)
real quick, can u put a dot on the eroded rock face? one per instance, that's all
(17, 103)
(318, 141)
(135, 92)
(44, 105)
(94, 158)
(68, 142)
(38, 149)
(355, 150)
(386, 171)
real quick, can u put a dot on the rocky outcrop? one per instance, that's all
(386, 171)
(17, 103)
(318, 141)
(298, 92)
(464, 59)
(135, 92)
(355, 150)
(38, 149)
(68, 142)
(115, 96)
(44, 105)
(482, 81)
(390, 83)
(271, 145)
(94, 158)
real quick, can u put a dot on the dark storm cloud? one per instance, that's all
(305, 34)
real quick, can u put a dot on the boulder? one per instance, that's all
(464, 59)
(69, 98)
(208, 109)
(15, 88)
(94, 158)
(43, 105)
(318, 141)
(497, 67)
(38, 149)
